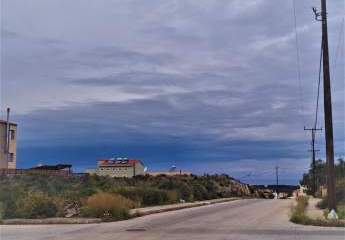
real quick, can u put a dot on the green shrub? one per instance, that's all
(107, 206)
(154, 197)
(302, 203)
(200, 192)
(298, 212)
(340, 195)
(322, 204)
(1, 210)
(340, 190)
(9, 195)
(341, 211)
(149, 196)
(36, 205)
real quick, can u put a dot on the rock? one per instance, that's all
(72, 210)
(332, 215)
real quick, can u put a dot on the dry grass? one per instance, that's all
(107, 206)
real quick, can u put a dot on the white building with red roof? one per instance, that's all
(120, 167)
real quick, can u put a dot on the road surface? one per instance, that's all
(238, 220)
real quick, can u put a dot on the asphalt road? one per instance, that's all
(238, 220)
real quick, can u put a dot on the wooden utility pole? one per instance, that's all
(277, 182)
(313, 151)
(328, 111)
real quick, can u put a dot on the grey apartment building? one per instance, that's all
(8, 145)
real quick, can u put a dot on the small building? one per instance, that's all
(48, 170)
(8, 145)
(119, 167)
(58, 167)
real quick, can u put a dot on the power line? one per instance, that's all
(341, 35)
(298, 61)
(318, 86)
(314, 128)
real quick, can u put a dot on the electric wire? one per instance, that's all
(318, 86)
(298, 61)
(340, 40)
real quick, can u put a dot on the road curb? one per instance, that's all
(48, 221)
(167, 208)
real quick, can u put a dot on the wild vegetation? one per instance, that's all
(107, 205)
(320, 176)
(110, 198)
(298, 215)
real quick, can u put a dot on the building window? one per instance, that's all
(13, 134)
(11, 157)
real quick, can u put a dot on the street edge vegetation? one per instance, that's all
(299, 215)
(109, 199)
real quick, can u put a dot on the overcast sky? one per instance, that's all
(210, 86)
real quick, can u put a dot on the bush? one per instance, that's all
(173, 197)
(1, 210)
(149, 196)
(200, 192)
(341, 211)
(298, 212)
(340, 195)
(322, 204)
(36, 205)
(340, 190)
(9, 195)
(107, 206)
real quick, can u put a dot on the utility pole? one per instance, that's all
(313, 151)
(322, 16)
(277, 179)
(328, 112)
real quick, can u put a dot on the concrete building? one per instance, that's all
(42, 170)
(8, 145)
(120, 167)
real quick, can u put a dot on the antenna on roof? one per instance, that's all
(8, 134)
(172, 168)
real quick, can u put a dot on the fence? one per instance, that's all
(9, 172)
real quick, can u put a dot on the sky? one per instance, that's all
(208, 86)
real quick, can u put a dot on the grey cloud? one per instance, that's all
(8, 34)
(116, 54)
(231, 67)
(207, 114)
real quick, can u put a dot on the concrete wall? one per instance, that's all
(12, 149)
(139, 169)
